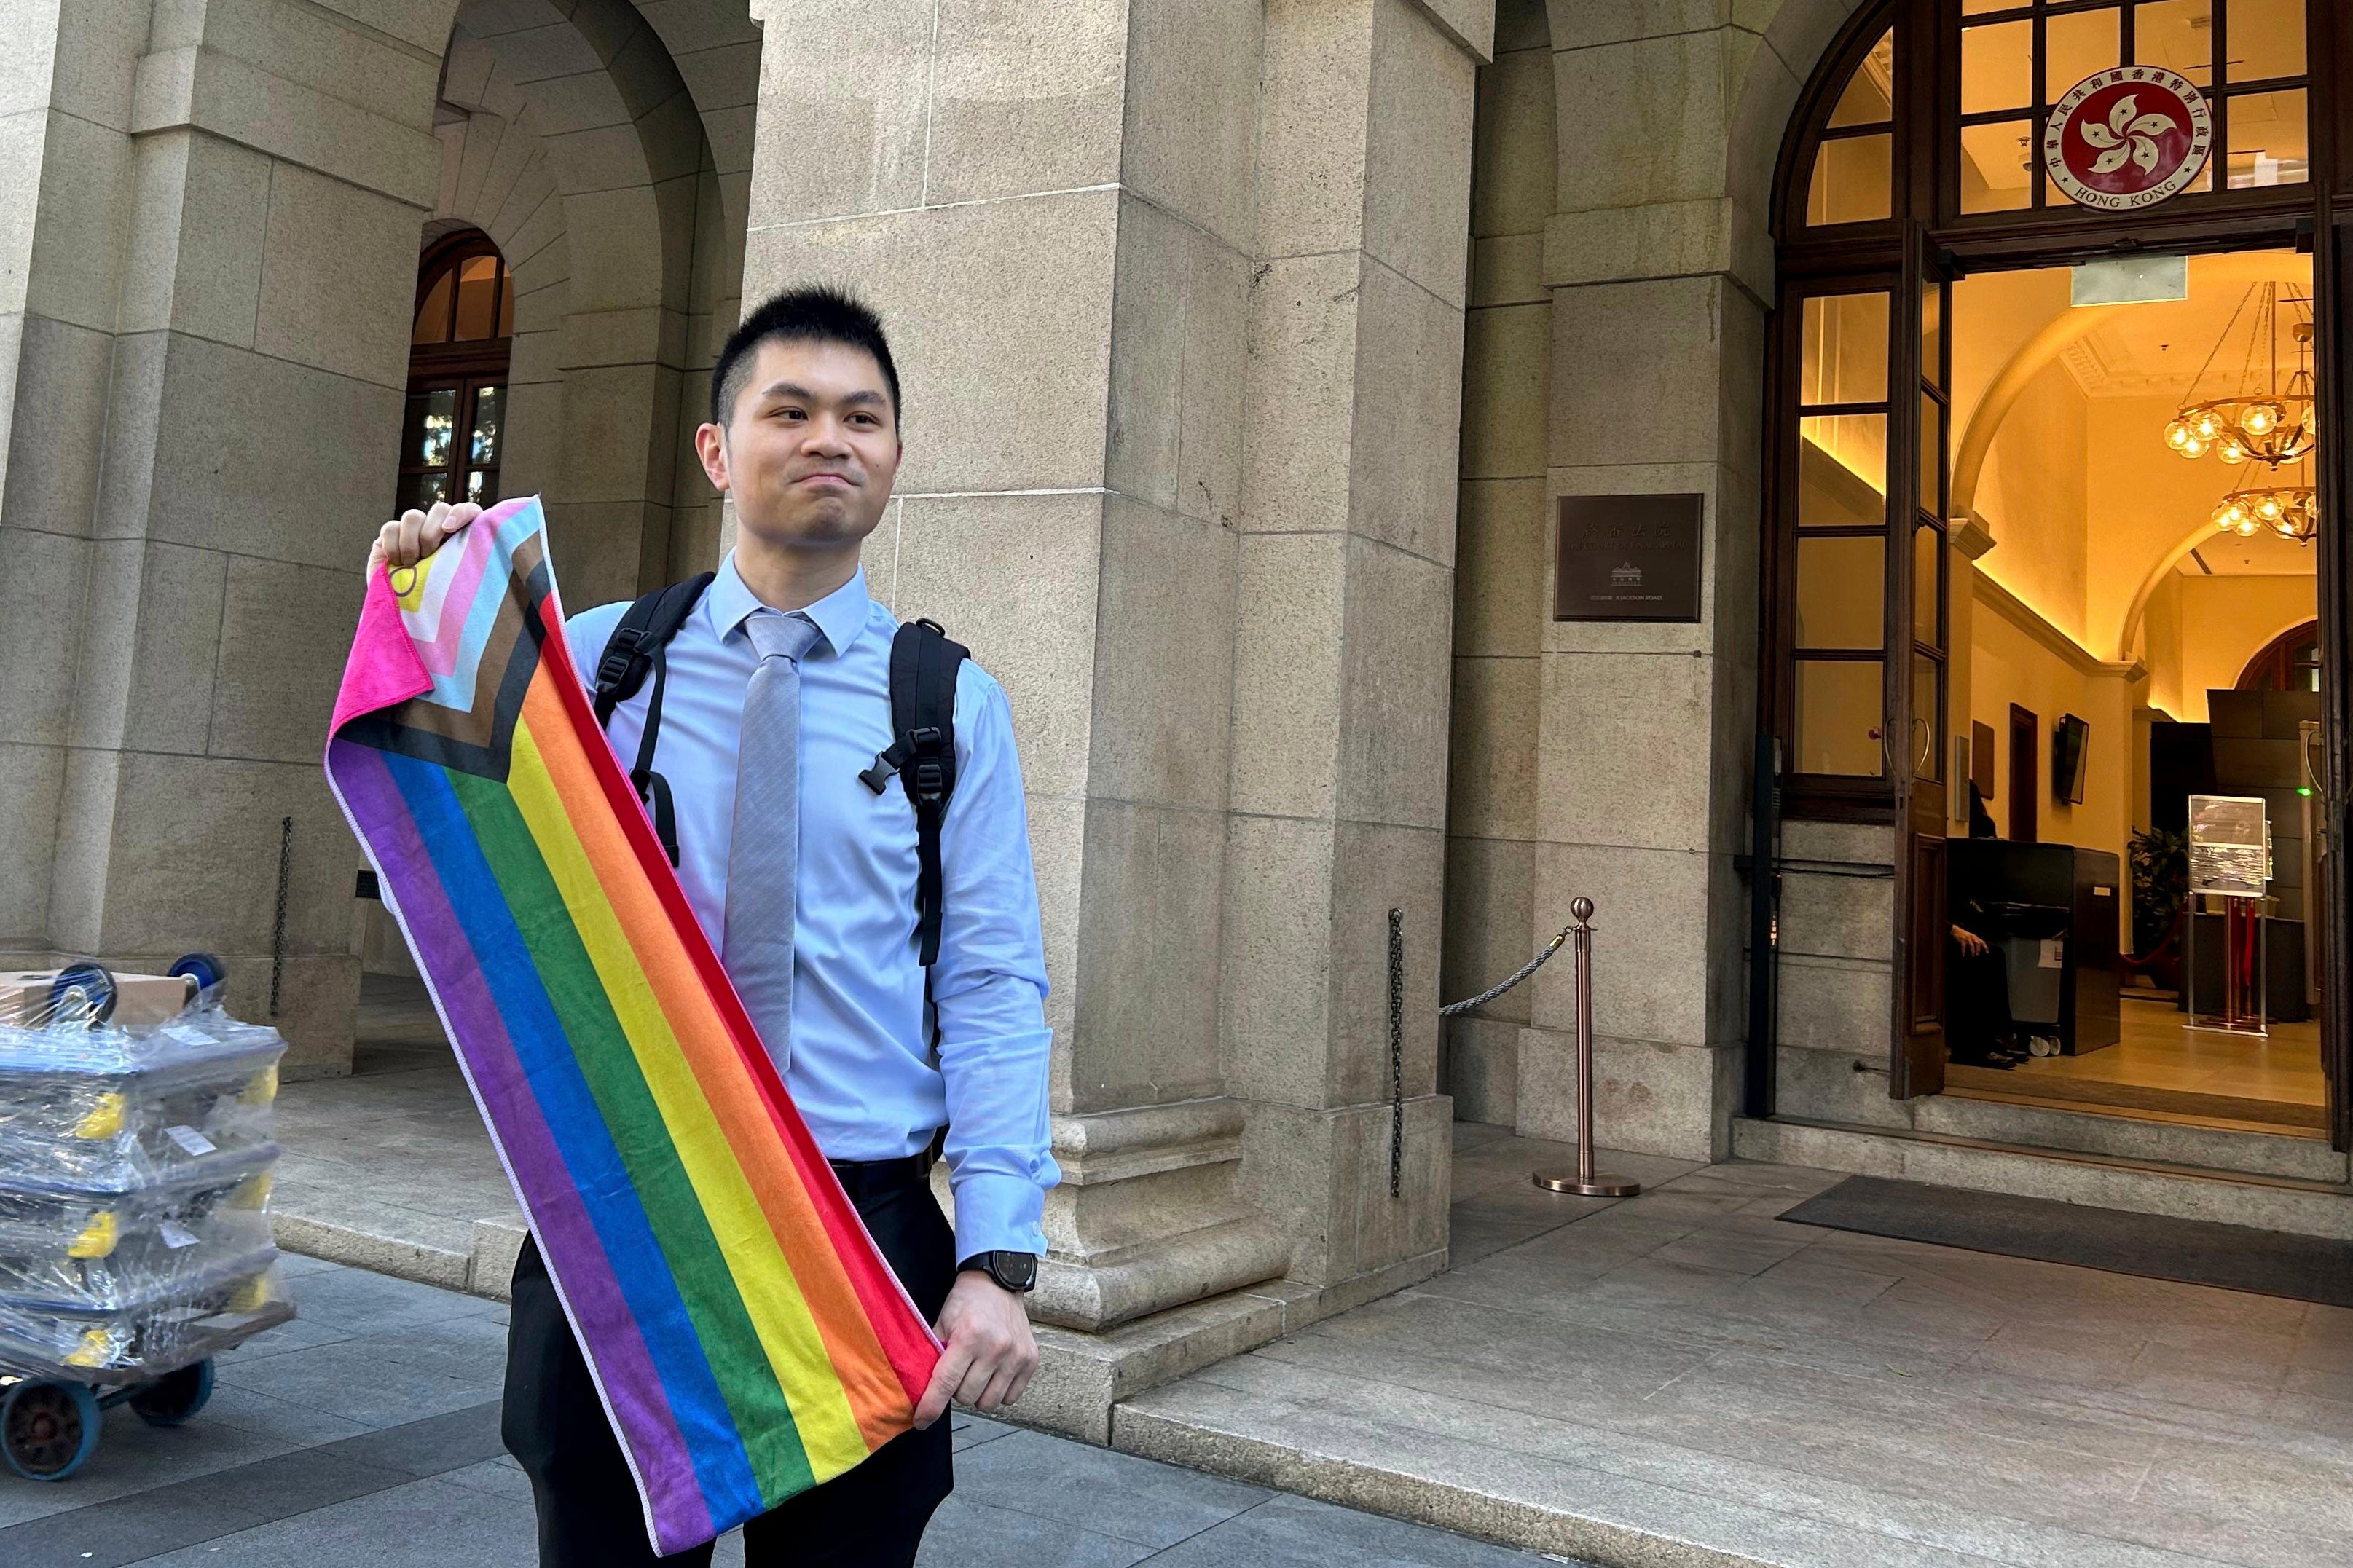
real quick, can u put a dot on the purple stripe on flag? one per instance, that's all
(626, 1368)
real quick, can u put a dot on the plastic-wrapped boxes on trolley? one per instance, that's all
(135, 1163)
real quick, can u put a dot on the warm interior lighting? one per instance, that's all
(2261, 419)
(2291, 511)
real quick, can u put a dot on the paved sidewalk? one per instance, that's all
(1685, 1380)
(390, 1168)
(366, 1434)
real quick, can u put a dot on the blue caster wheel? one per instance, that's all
(47, 1429)
(82, 993)
(175, 1397)
(205, 968)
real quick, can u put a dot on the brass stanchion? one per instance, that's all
(1585, 1181)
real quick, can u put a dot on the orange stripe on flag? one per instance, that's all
(877, 1401)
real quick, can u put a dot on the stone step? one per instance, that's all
(2301, 1207)
(1464, 1471)
(477, 1257)
(2041, 1124)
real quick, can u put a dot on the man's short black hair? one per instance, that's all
(816, 312)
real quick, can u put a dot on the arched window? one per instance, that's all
(1854, 161)
(450, 437)
(2290, 662)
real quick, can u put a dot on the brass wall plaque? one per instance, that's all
(1627, 558)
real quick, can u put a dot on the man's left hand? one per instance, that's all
(990, 1352)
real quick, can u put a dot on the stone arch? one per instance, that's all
(716, 47)
(1792, 47)
(495, 177)
(1743, 128)
(215, 331)
(626, 263)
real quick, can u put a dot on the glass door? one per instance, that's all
(449, 442)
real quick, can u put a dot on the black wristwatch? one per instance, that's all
(1014, 1271)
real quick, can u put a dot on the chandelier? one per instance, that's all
(2261, 419)
(2288, 510)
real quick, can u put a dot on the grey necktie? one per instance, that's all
(764, 855)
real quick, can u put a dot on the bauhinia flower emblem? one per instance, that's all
(2127, 137)
(2128, 134)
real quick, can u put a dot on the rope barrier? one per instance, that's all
(1530, 967)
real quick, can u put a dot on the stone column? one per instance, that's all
(1343, 602)
(1500, 604)
(64, 144)
(1181, 385)
(1660, 266)
(1051, 208)
(229, 202)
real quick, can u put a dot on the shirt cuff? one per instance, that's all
(997, 1212)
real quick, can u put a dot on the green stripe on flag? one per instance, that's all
(763, 1418)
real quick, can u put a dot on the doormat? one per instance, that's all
(2189, 1251)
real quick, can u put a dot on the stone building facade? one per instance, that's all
(1248, 345)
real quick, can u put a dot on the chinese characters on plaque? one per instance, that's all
(1627, 558)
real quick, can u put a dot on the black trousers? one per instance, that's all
(589, 1515)
(1976, 1003)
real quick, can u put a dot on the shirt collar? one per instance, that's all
(841, 615)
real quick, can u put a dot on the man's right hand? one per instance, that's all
(413, 535)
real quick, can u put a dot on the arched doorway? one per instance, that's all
(2289, 662)
(1972, 315)
(460, 345)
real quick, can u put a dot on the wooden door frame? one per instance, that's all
(2025, 791)
(2333, 320)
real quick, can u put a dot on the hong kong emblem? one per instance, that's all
(2127, 138)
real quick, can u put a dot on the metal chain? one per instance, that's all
(278, 932)
(1530, 967)
(1397, 1051)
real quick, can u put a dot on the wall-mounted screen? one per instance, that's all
(2071, 751)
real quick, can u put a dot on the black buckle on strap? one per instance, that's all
(614, 668)
(929, 778)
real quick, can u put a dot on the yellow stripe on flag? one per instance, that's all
(764, 1277)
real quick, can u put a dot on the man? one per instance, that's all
(1979, 1031)
(807, 893)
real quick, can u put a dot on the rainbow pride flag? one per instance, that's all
(746, 1338)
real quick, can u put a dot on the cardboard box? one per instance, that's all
(140, 1000)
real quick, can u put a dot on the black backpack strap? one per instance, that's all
(644, 630)
(924, 666)
(633, 651)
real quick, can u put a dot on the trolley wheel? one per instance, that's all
(205, 968)
(82, 990)
(174, 1397)
(47, 1429)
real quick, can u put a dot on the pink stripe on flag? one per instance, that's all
(383, 668)
(440, 655)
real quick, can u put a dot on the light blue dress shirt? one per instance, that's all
(860, 1066)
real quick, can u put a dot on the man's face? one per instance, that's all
(811, 448)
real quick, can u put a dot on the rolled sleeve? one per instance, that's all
(989, 988)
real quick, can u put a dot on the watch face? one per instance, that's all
(1016, 1270)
